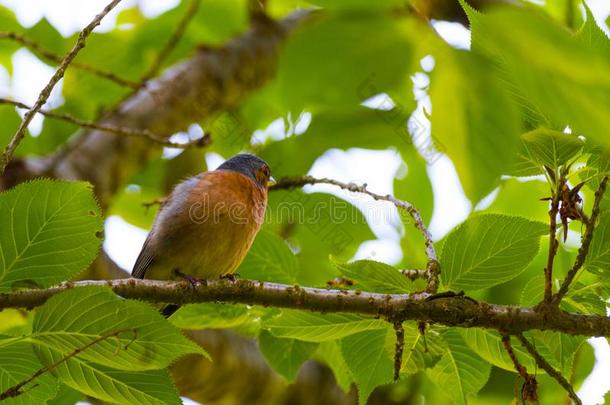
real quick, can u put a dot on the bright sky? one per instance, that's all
(376, 168)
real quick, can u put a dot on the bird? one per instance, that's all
(206, 226)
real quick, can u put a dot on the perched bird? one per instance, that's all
(208, 223)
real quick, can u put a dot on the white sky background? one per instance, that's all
(376, 168)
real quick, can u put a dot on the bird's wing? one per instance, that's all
(144, 260)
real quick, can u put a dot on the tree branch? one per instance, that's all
(454, 310)
(543, 364)
(529, 390)
(583, 251)
(553, 242)
(433, 267)
(46, 54)
(161, 140)
(167, 49)
(7, 155)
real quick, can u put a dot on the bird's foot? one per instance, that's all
(233, 277)
(193, 281)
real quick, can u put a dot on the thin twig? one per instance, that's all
(200, 142)
(553, 242)
(583, 251)
(153, 70)
(529, 390)
(15, 390)
(7, 155)
(433, 267)
(53, 57)
(455, 310)
(543, 364)
(414, 274)
(399, 348)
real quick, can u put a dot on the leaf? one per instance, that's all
(557, 348)
(598, 259)
(511, 201)
(375, 276)
(564, 80)
(270, 259)
(460, 373)
(369, 363)
(342, 128)
(329, 352)
(211, 316)
(318, 225)
(312, 327)
(50, 232)
(76, 317)
(420, 352)
(18, 363)
(285, 356)
(466, 121)
(381, 62)
(115, 386)
(533, 293)
(488, 345)
(489, 249)
(551, 148)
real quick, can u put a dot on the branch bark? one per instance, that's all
(7, 155)
(449, 309)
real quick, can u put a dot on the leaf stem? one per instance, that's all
(583, 251)
(543, 364)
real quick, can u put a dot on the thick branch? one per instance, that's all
(7, 155)
(211, 81)
(449, 310)
(543, 364)
(586, 243)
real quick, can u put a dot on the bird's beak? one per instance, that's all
(271, 182)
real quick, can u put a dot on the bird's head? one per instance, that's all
(252, 166)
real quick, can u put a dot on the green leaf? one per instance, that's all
(348, 75)
(557, 348)
(564, 80)
(460, 373)
(77, 317)
(489, 249)
(522, 198)
(420, 352)
(312, 327)
(368, 362)
(370, 275)
(51, 232)
(488, 345)
(474, 121)
(114, 386)
(533, 292)
(551, 148)
(343, 128)
(270, 259)
(329, 353)
(285, 356)
(598, 259)
(211, 316)
(318, 225)
(18, 363)
(358, 4)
